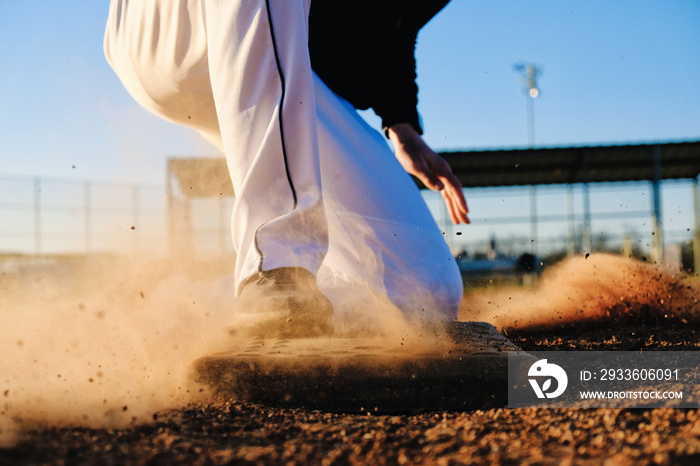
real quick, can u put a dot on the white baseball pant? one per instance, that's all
(315, 186)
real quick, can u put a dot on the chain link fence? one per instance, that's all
(48, 216)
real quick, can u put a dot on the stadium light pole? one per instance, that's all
(529, 73)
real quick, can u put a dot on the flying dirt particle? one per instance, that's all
(587, 255)
(6, 393)
(20, 343)
(142, 295)
(100, 315)
(459, 233)
(125, 408)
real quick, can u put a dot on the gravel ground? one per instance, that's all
(229, 431)
(661, 317)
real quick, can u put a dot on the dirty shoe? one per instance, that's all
(284, 303)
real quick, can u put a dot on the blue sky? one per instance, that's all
(613, 72)
(620, 71)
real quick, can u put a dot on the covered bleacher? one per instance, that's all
(588, 164)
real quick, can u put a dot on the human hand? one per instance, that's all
(421, 161)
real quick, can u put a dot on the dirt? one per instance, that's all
(232, 432)
(228, 431)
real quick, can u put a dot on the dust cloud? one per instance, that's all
(107, 342)
(100, 343)
(600, 287)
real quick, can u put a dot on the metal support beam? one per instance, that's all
(87, 201)
(696, 236)
(533, 219)
(136, 216)
(587, 228)
(37, 215)
(571, 240)
(657, 251)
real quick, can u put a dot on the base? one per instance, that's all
(360, 375)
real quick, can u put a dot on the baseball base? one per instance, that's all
(359, 375)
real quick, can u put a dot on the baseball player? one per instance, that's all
(322, 204)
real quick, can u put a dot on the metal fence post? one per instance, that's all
(533, 219)
(587, 226)
(135, 204)
(587, 222)
(37, 215)
(657, 242)
(87, 199)
(571, 238)
(696, 236)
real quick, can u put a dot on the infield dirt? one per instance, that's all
(136, 414)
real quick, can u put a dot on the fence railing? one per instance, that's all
(42, 215)
(46, 215)
(574, 219)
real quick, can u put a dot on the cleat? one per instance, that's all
(283, 303)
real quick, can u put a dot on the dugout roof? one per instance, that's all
(576, 164)
(209, 177)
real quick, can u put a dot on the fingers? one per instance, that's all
(450, 207)
(450, 188)
(432, 170)
(459, 202)
(454, 196)
(455, 207)
(428, 177)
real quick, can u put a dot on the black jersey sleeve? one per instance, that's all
(364, 50)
